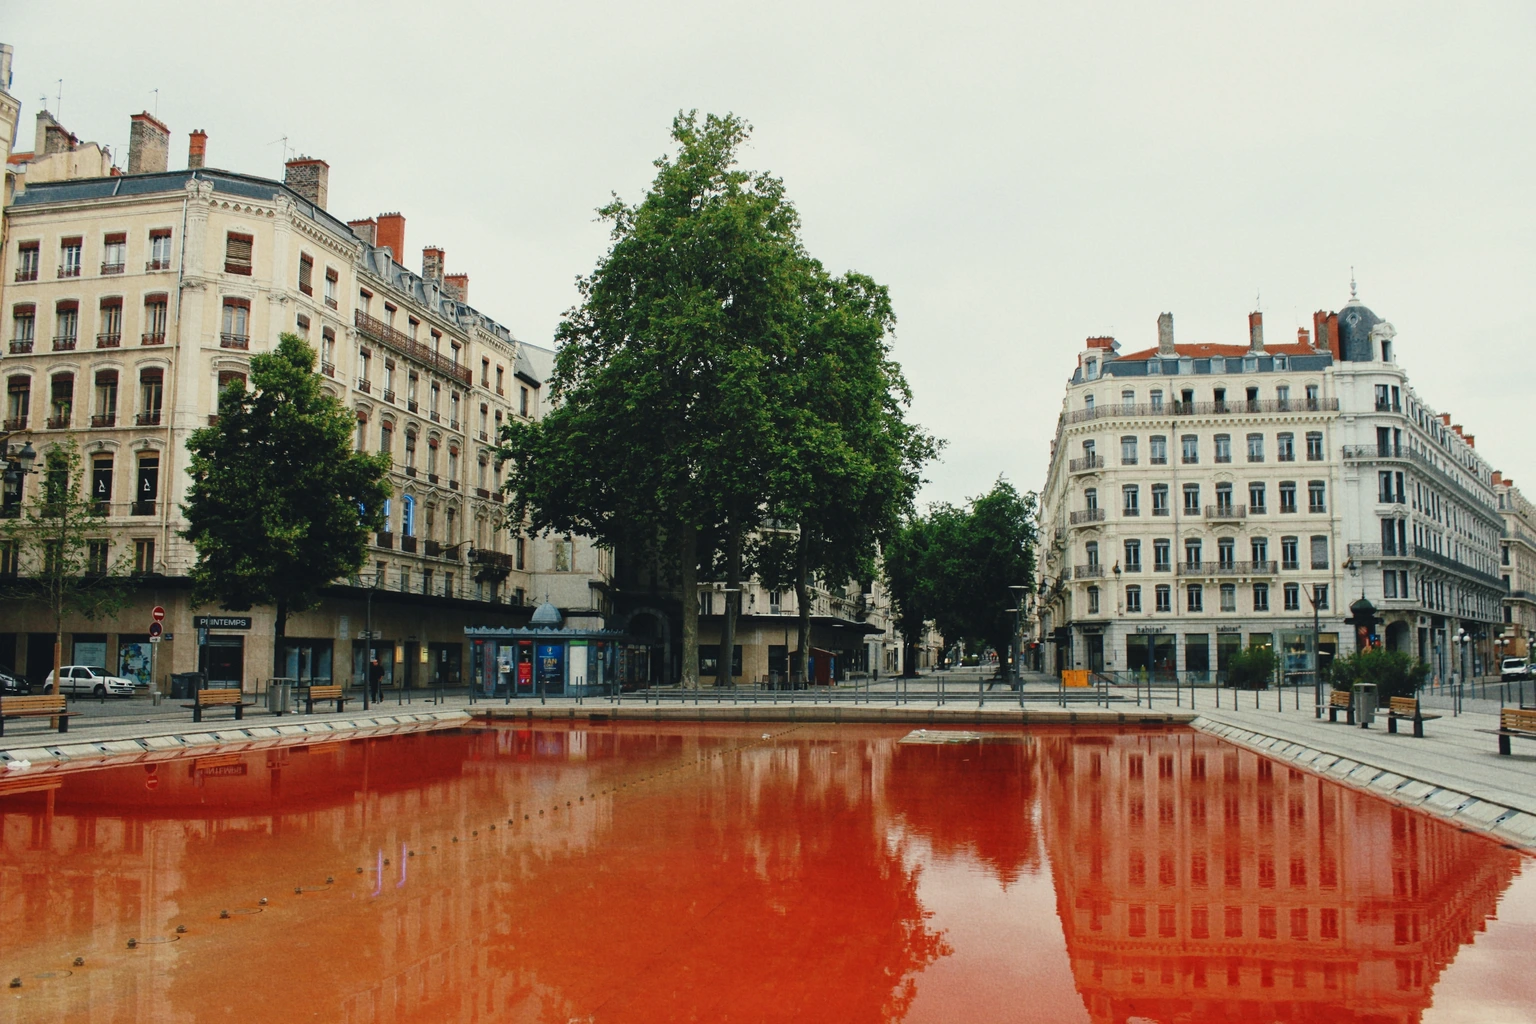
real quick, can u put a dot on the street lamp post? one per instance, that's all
(1317, 677)
(368, 649)
(1462, 639)
(1018, 592)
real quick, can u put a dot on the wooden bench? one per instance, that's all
(45, 706)
(1406, 709)
(1513, 722)
(332, 692)
(1341, 700)
(226, 697)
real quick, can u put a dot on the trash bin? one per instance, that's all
(1364, 695)
(184, 683)
(280, 696)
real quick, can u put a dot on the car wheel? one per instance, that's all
(99, 691)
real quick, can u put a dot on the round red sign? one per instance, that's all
(158, 613)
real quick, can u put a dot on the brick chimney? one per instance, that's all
(149, 145)
(1256, 333)
(457, 285)
(1471, 441)
(392, 234)
(1445, 418)
(310, 178)
(197, 148)
(1325, 328)
(1303, 337)
(433, 260)
(367, 230)
(1165, 335)
(1498, 477)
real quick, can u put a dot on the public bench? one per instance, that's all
(1406, 709)
(332, 692)
(49, 705)
(224, 697)
(1514, 722)
(1341, 700)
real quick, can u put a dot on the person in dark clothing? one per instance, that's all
(376, 680)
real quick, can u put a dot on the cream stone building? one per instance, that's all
(130, 299)
(1517, 564)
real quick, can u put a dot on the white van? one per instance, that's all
(1515, 668)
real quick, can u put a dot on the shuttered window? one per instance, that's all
(306, 275)
(237, 254)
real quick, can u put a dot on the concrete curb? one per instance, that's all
(1514, 827)
(828, 713)
(171, 743)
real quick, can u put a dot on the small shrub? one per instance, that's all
(1252, 669)
(1395, 673)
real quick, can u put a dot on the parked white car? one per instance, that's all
(1515, 668)
(95, 681)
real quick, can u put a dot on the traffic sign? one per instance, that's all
(155, 629)
(158, 613)
(156, 639)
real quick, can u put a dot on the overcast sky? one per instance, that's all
(1022, 175)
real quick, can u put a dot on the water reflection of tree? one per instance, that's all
(973, 798)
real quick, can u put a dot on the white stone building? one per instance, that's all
(1200, 497)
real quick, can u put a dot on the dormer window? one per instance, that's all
(1281, 363)
(1218, 364)
(1154, 366)
(1093, 369)
(1250, 364)
(1186, 365)
(1088, 403)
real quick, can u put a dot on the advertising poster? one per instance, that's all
(133, 661)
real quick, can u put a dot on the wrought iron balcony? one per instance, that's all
(405, 345)
(1087, 515)
(155, 338)
(1086, 464)
(1087, 572)
(1226, 511)
(109, 340)
(236, 341)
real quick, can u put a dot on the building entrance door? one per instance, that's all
(1095, 651)
(224, 661)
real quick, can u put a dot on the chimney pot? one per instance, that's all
(197, 149)
(149, 144)
(1256, 332)
(457, 285)
(1303, 337)
(310, 178)
(1165, 345)
(392, 235)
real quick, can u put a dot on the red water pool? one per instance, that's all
(748, 873)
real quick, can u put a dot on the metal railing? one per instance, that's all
(1220, 568)
(405, 345)
(1226, 511)
(1088, 572)
(1087, 515)
(1086, 463)
(1422, 553)
(1172, 409)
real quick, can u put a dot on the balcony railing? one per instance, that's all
(384, 539)
(329, 369)
(1220, 568)
(109, 340)
(1368, 452)
(330, 302)
(1258, 510)
(1125, 460)
(432, 548)
(24, 274)
(410, 471)
(408, 543)
(1086, 464)
(387, 395)
(481, 492)
(10, 426)
(113, 268)
(434, 417)
(484, 436)
(66, 343)
(108, 419)
(21, 346)
(1255, 458)
(239, 341)
(1169, 410)
(1226, 511)
(364, 386)
(147, 419)
(66, 270)
(156, 338)
(1425, 554)
(58, 422)
(142, 508)
(405, 345)
(498, 496)
(1088, 572)
(1086, 515)
(1130, 511)
(153, 265)
(453, 424)
(1162, 511)
(431, 478)
(453, 485)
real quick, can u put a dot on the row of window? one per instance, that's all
(1226, 553)
(1189, 448)
(146, 490)
(1232, 923)
(67, 325)
(61, 399)
(1185, 399)
(1258, 503)
(98, 556)
(1194, 598)
(114, 255)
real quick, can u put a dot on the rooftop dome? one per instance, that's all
(1355, 323)
(546, 616)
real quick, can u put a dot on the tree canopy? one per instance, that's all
(280, 504)
(714, 376)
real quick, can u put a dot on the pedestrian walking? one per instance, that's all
(376, 679)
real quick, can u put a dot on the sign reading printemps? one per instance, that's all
(221, 621)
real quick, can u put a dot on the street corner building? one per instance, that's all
(131, 299)
(1203, 498)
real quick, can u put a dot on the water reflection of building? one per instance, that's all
(1195, 880)
(546, 917)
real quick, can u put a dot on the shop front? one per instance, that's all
(545, 659)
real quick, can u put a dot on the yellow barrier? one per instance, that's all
(1074, 677)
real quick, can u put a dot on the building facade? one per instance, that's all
(1517, 561)
(1202, 498)
(132, 299)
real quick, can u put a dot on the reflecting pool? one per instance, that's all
(707, 872)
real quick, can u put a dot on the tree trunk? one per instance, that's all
(723, 675)
(278, 633)
(688, 559)
(802, 669)
(909, 658)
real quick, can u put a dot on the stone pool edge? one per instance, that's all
(1512, 826)
(829, 714)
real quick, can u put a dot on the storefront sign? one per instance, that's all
(221, 621)
(1151, 629)
(1229, 629)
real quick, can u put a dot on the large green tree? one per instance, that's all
(664, 381)
(281, 505)
(905, 565)
(975, 554)
(58, 542)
